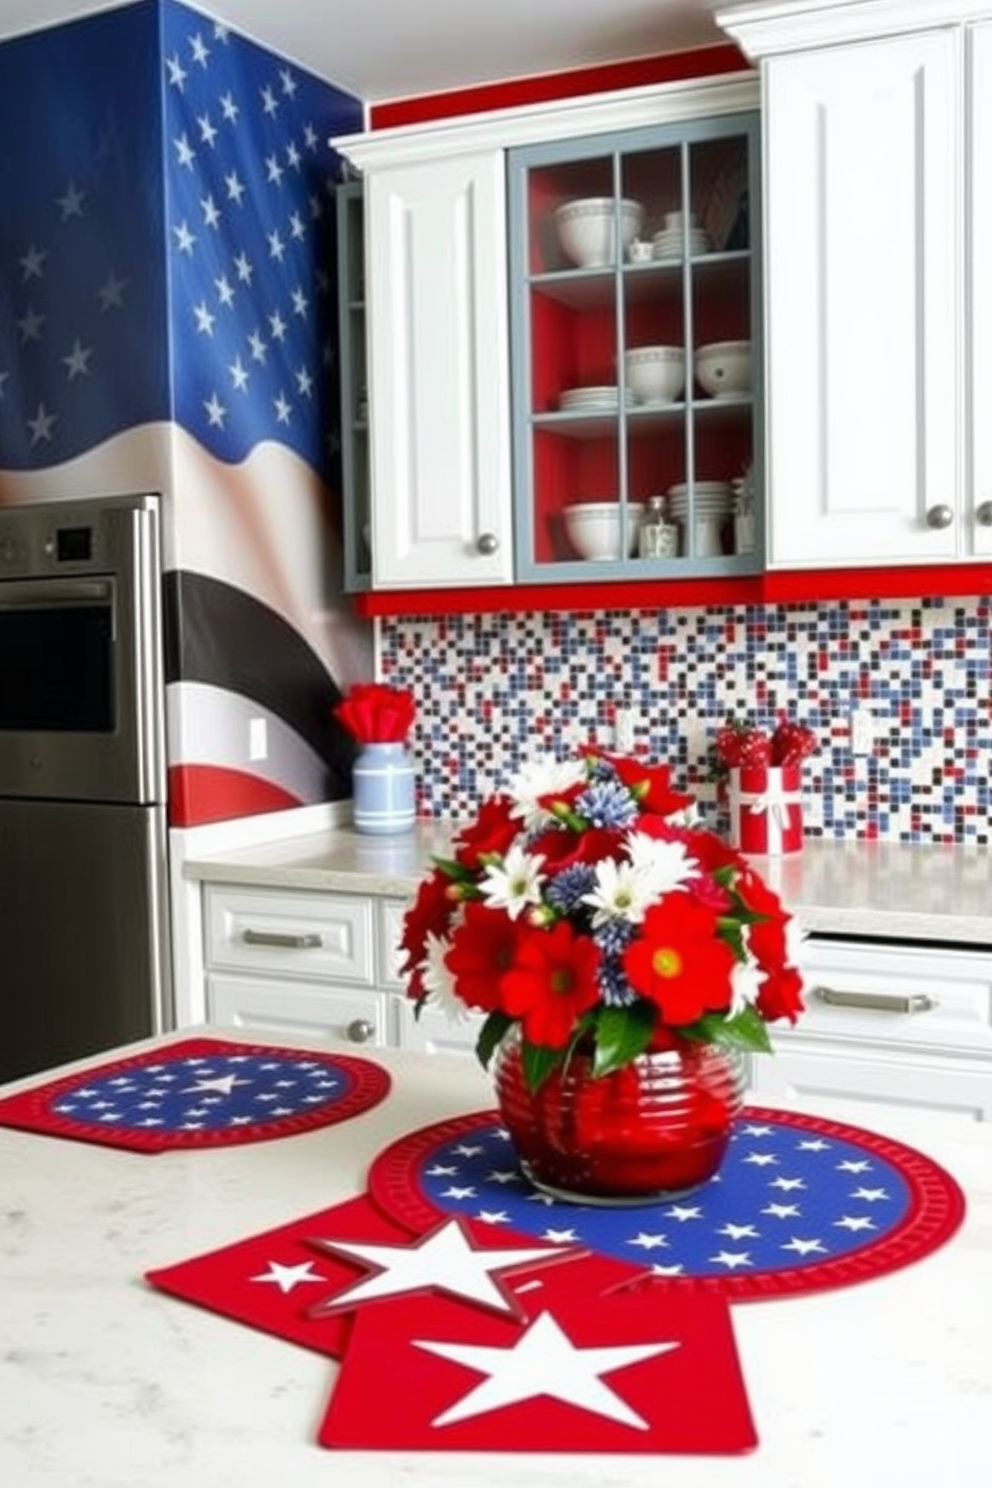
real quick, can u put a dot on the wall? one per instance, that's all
(168, 321)
(494, 689)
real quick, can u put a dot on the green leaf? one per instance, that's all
(538, 1063)
(621, 1034)
(490, 1034)
(746, 1031)
(451, 869)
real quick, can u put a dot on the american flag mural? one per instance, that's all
(168, 321)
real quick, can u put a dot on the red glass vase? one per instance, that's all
(649, 1132)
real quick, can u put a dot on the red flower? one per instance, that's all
(562, 848)
(650, 784)
(551, 983)
(430, 914)
(780, 995)
(680, 963)
(375, 713)
(492, 832)
(482, 947)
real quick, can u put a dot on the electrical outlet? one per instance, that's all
(862, 732)
(258, 739)
(624, 730)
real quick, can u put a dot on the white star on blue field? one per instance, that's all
(784, 1199)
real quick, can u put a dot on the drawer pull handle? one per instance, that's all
(360, 1031)
(882, 1002)
(296, 940)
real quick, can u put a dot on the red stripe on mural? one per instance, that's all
(199, 794)
(639, 72)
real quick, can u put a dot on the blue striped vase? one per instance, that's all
(384, 789)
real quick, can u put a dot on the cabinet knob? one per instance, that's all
(488, 544)
(940, 516)
(360, 1031)
(984, 514)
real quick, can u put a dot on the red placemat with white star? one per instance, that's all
(493, 1344)
(799, 1204)
(200, 1092)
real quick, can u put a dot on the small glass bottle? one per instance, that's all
(657, 537)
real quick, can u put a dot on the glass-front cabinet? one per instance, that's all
(636, 353)
(355, 458)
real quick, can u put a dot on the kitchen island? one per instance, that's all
(106, 1382)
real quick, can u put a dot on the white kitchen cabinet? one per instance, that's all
(437, 329)
(318, 964)
(876, 154)
(438, 321)
(902, 1024)
(314, 963)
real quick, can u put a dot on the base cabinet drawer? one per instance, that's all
(435, 1033)
(816, 1068)
(898, 1024)
(272, 1007)
(323, 937)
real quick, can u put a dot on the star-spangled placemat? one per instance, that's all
(800, 1204)
(200, 1092)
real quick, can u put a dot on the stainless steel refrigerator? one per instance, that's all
(84, 925)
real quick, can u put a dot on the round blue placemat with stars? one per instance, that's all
(799, 1204)
(200, 1093)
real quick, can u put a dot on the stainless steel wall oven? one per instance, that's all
(84, 932)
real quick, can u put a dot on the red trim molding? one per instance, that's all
(639, 72)
(779, 587)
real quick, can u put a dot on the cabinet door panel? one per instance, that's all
(437, 318)
(979, 309)
(272, 1007)
(862, 296)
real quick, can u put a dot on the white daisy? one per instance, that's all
(539, 778)
(515, 883)
(663, 865)
(746, 978)
(621, 892)
(439, 984)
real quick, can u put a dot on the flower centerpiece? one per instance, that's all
(598, 931)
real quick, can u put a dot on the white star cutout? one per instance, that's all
(288, 1277)
(871, 1195)
(544, 1361)
(854, 1222)
(445, 1259)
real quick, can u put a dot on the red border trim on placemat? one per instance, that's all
(936, 1209)
(31, 1110)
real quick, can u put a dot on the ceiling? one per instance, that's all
(383, 49)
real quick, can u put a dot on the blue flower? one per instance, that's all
(565, 892)
(608, 804)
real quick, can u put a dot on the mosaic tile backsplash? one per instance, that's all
(493, 690)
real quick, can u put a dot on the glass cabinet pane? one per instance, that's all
(634, 285)
(355, 458)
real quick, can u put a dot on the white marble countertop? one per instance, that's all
(106, 1382)
(909, 891)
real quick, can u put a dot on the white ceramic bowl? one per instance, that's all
(723, 368)
(655, 374)
(593, 528)
(587, 228)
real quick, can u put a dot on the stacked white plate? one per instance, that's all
(669, 243)
(593, 399)
(713, 507)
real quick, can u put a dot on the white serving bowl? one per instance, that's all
(655, 374)
(723, 368)
(587, 228)
(593, 528)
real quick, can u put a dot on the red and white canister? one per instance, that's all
(766, 812)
